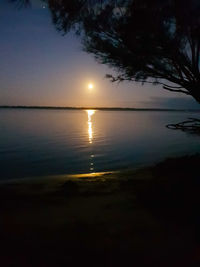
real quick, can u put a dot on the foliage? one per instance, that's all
(21, 3)
(154, 41)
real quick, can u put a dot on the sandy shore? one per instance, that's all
(148, 217)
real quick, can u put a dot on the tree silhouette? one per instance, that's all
(147, 41)
(21, 3)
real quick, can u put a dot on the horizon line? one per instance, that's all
(97, 108)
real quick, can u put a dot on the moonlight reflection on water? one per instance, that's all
(38, 142)
(90, 131)
(90, 113)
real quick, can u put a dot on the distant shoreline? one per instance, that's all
(97, 108)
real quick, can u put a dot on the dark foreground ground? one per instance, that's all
(148, 217)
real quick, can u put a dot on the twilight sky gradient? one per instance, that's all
(38, 66)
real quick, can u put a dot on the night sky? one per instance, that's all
(39, 66)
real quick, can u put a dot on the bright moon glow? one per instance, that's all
(90, 86)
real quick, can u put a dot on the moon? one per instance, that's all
(90, 86)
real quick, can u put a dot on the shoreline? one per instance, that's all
(99, 108)
(145, 217)
(118, 174)
(43, 178)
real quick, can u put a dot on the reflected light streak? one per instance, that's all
(90, 131)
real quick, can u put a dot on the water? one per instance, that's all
(50, 142)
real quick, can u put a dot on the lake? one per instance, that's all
(36, 142)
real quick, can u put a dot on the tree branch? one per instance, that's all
(176, 90)
(165, 86)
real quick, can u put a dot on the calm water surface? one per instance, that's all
(49, 142)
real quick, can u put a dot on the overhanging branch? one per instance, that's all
(170, 88)
(176, 90)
